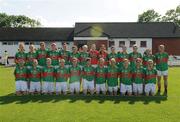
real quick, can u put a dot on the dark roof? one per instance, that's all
(127, 30)
(36, 34)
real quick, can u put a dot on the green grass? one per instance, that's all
(88, 108)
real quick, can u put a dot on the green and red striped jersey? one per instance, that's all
(88, 73)
(20, 73)
(112, 75)
(34, 74)
(146, 58)
(41, 57)
(101, 73)
(132, 57)
(30, 56)
(54, 55)
(20, 56)
(161, 61)
(61, 74)
(48, 74)
(126, 75)
(138, 75)
(150, 76)
(75, 74)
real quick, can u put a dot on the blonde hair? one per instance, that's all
(61, 60)
(32, 45)
(21, 44)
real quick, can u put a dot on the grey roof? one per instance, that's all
(36, 34)
(108, 29)
(127, 30)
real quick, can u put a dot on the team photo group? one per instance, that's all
(57, 71)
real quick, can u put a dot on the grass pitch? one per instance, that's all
(88, 108)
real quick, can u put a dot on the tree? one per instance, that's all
(17, 21)
(172, 15)
(149, 16)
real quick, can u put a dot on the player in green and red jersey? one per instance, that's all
(42, 54)
(121, 56)
(20, 54)
(134, 55)
(112, 77)
(150, 78)
(138, 77)
(62, 75)
(147, 56)
(74, 54)
(48, 77)
(64, 54)
(103, 54)
(126, 78)
(54, 55)
(113, 54)
(20, 74)
(101, 72)
(88, 76)
(94, 55)
(161, 59)
(34, 76)
(30, 56)
(75, 76)
(84, 55)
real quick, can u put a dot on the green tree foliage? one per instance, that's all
(17, 21)
(149, 16)
(172, 15)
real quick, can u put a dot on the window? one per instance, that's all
(132, 43)
(143, 44)
(10, 43)
(27, 43)
(4, 43)
(36, 43)
(111, 43)
(121, 43)
(16, 43)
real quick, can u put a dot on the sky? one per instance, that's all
(64, 13)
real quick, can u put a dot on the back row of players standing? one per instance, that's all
(160, 58)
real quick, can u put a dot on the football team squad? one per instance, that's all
(59, 71)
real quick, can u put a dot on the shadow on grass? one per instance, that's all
(11, 98)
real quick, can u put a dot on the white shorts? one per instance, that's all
(111, 89)
(61, 86)
(138, 88)
(100, 87)
(74, 87)
(162, 73)
(88, 85)
(21, 85)
(48, 87)
(35, 86)
(125, 88)
(150, 87)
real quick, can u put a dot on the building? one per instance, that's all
(145, 35)
(10, 37)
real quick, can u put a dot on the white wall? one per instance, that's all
(127, 44)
